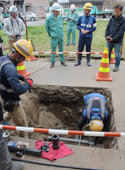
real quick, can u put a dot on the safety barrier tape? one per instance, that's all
(38, 53)
(66, 132)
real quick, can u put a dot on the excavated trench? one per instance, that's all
(59, 107)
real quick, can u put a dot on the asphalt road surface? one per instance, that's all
(35, 23)
(41, 22)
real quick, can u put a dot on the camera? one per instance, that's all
(9, 105)
(17, 37)
(108, 38)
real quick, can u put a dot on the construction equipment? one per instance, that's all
(104, 69)
(64, 132)
(74, 140)
(19, 149)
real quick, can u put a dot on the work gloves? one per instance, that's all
(28, 80)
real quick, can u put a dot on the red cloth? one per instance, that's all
(53, 154)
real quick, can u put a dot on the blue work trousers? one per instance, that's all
(117, 48)
(85, 41)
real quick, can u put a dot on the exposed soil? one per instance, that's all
(59, 107)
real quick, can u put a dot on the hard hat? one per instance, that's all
(24, 48)
(56, 7)
(96, 125)
(72, 7)
(88, 6)
(13, 9)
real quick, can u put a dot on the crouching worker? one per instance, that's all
(95, 113)
(10, 86)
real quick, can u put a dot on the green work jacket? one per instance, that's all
(75, 16)
(54, 26)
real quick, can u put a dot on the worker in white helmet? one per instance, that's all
(71, 18)
(14, 26)
(54, 28)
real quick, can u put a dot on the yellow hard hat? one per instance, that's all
(88, 6)
(24, 48)
(96, 125)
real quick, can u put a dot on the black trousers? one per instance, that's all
(81, 122)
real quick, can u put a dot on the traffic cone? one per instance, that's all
(112, 57)
(21, 70)
(104, 70)
(32, 57)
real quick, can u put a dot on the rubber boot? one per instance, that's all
(88, 60)
(92, 138)
(79, 60)
(17, 166)
(5, 159)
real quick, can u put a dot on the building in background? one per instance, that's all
(37, 6)
(80, 3)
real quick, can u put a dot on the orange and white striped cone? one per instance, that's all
(112, 57)
(104, 70)
(32, 57)
(21, 70)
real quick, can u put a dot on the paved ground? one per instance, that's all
(85, 77)
(35, 23)
(42, 21)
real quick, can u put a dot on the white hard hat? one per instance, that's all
(56, 7)
(72, 7)
(13, 9)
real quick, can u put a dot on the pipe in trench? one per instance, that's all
(74, 140)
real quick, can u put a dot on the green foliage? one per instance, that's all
(51, 3)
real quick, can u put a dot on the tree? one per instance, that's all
(51, 2)
(110, 3)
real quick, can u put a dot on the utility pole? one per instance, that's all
(48, 2)
(111, 3)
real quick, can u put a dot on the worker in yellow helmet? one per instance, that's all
(95, 113)
(86, 24)
(10, 86)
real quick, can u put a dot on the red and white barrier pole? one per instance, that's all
(38, 53)
(64, 132)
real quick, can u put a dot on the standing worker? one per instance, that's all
(86, 25)
(71, 18)
(54, 28)
(10, 86)
(114, 34)
(14, 26)
(95, 113)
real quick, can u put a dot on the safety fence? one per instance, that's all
(40, 53)
(64, 132)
